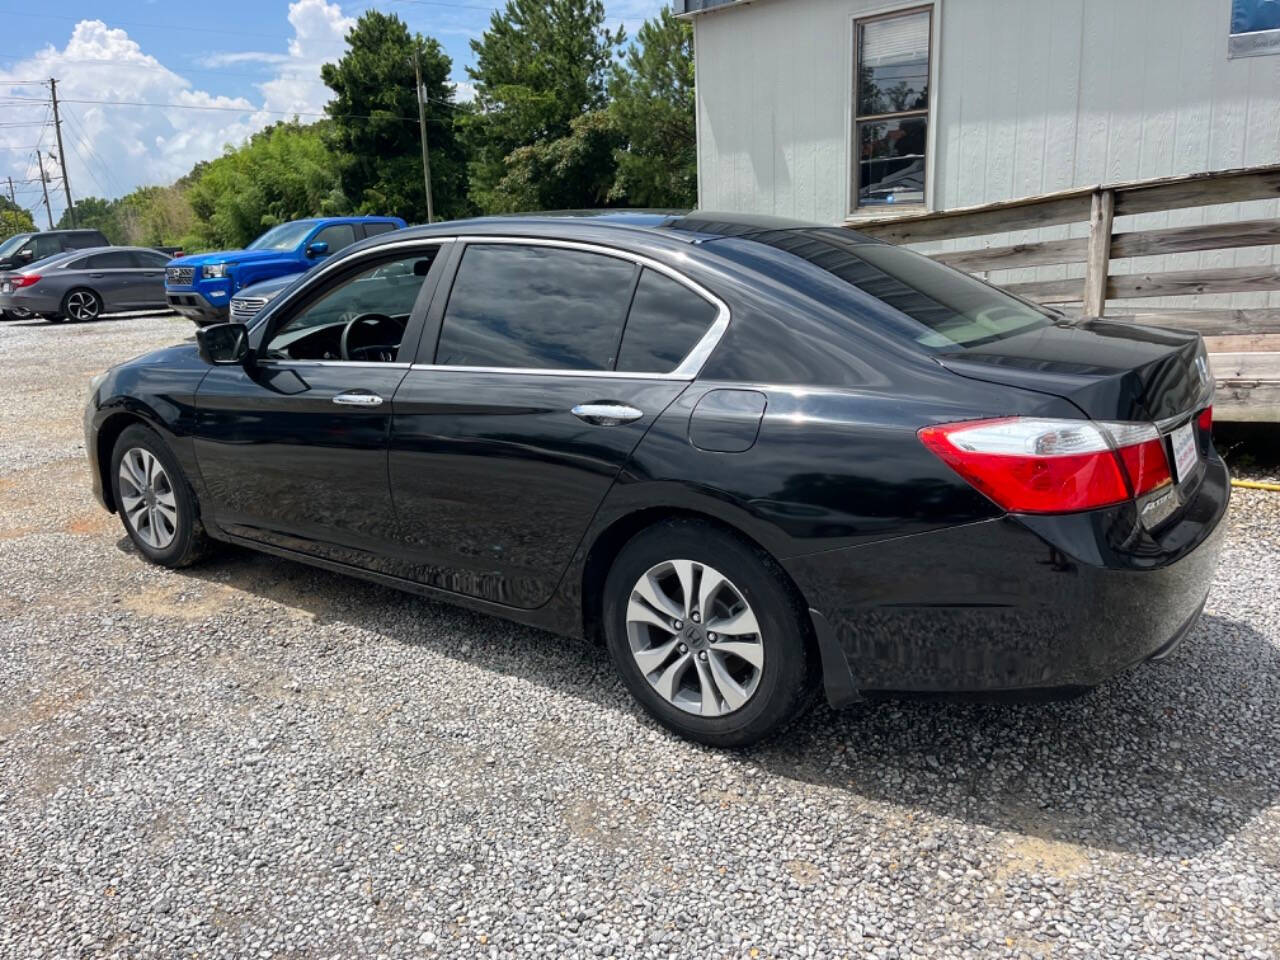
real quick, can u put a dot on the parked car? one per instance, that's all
(246, 304)
(751, 455)
(84, 284)
(200, 286)
(24, 249)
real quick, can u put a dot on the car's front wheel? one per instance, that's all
(707, 635)
(156, 504)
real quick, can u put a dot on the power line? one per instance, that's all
(221, 109)
(168, 27)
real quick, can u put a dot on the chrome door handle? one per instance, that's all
(606, 414)
(358, 399)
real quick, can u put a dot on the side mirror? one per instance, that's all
(320, 249)
(26, 253)
(223, 343)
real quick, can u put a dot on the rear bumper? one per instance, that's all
(1016, 604)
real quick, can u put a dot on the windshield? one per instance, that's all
(284, 237)
(14, 244)
(949, 308)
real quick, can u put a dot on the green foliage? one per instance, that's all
(652, 108)
(94, 213)
(374, 132)
(284, 172)
(569, 173)
(14, 219)
(541, 65)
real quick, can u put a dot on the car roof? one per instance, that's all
(696, 226)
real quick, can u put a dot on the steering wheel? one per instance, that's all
(383, 332)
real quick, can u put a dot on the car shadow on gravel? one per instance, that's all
(1169, 760)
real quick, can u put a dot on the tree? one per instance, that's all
(284, 172)
(540, 65)
(653, 110)
(569, 173)
(374, 125)
(95, 213)
(14, 219)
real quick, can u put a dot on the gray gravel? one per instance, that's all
(256, 759)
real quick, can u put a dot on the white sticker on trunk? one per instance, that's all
(1185, 453)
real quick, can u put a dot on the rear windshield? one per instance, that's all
(950, 308)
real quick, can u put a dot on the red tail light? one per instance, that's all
(1205, 420)
(25, 280)
(1030, 465)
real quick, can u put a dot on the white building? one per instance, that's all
(839, 110)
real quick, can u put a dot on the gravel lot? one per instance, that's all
(257, 759)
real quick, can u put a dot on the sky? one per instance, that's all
(222, 71)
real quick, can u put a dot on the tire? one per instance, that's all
(773, 671)
(165, 527)
(81, 305)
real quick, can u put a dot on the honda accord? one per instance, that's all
(752, 458)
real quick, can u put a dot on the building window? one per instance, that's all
(891, 108)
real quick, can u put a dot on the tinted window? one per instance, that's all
(666, 320)
(81, 264)
(373, 229)
(949, 308)
(114, 260)
(45, 246)
(337, 236)
(536, 307)
(79, 241)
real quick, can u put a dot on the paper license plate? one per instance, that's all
(1185, 453)
(6, 287)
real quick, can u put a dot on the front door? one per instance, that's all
(507, 437)
(292, 447)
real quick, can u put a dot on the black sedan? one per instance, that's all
(749, 456)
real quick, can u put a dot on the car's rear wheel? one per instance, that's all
(707, 634)
(82, 304)
(156, 504)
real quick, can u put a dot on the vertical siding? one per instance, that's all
(1032, 96)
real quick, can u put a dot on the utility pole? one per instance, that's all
(422, 132)
(44, 185)
(62, 157)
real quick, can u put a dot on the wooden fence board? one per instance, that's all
(1201, 236)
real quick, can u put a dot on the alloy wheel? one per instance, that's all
(695, 638)
(147, 498)
(82, 305)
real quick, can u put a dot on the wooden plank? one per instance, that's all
(1246, 366)
(1199, 190)
(1242, 342)
(1181, 283)
(1049, 291)
(1068, 206)
(1098, 260)
(1207, 236)
(1016, 255)
(1256, 321)
(1252, 401)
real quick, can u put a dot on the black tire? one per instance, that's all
(189, 541)
(789, 674)
(81, 304)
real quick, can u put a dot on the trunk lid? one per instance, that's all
(1110, 370)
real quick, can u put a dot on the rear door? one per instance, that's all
(510, 429)
(110, 274)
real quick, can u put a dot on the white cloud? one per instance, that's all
(464, 91)
(241, 56)
(113, 147)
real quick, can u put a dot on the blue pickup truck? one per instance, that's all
(200, 287)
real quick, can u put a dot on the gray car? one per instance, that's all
(84, 284)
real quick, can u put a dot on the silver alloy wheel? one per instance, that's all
(147, 498)
(695, 638)
(82, 305)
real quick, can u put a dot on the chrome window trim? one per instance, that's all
(276, 363)
(553, 372)
(335, 262)
(686, 369)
